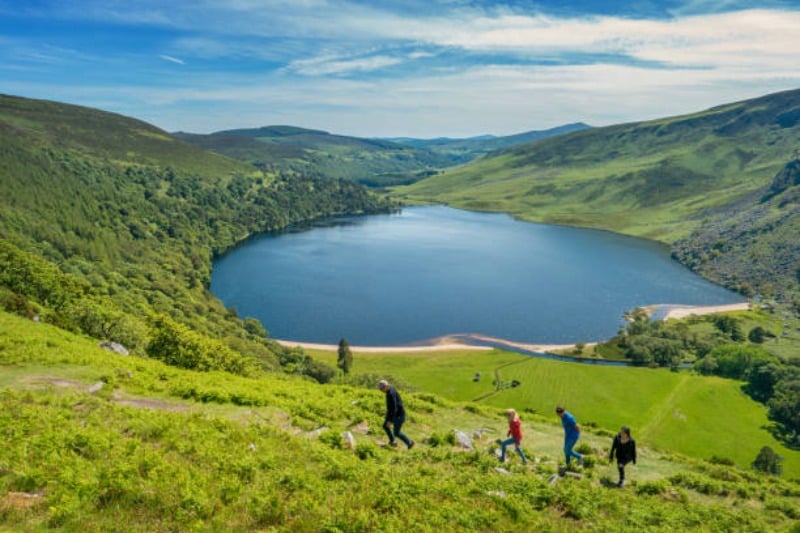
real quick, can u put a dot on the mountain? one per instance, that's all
(658, 179)
(464, 150)
(372, 162)
(108, 226)
(290, 149)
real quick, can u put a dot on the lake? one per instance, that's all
(427, 272)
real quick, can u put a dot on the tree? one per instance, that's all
(784, 407)
(345, 360)
(768, 461)
(757, 335)
(254, 327)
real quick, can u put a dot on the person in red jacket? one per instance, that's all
(514, 434)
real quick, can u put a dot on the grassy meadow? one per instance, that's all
(94, 441)
(680, 412)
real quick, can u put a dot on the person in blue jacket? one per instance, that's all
(395, 415)
(572, 432)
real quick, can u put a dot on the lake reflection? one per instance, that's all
(433, 271)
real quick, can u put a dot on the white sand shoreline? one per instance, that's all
(682, 311)
(449, 343)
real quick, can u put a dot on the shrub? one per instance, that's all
(717, 460)
(653, 488)
(768, 461)
(584, 449)
(177, 345)
(332, 439)
(366, 450)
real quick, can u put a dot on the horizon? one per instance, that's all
(453, 68)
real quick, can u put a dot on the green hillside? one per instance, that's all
(649, 179)
(303, 151)
(108, 226)
(95, 441)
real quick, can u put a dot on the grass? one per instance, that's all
(679, 412)
(164, 449)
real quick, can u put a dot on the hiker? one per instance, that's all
(625, 447)
(514, 434)
(571, 433)
(395, 415)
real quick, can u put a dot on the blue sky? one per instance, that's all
(420, 68)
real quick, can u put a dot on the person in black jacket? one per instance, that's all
(625, 448)
(395, 415)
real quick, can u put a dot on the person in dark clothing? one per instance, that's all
(395, 415)
(625, 448)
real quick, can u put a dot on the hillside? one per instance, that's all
(372, 162)
(91, 440)
(108, 226)
(680, 412)
(318, 153)
(751, 244)
(648, 179)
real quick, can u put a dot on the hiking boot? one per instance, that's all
(620, 483)
(580, 462)
(411, 444)
(393, 444)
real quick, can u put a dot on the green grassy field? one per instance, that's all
(677, 412)
(94, 441)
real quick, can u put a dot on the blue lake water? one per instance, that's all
(432, 271)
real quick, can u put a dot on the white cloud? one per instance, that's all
(324, 65)
(172, 59)
(605, 69)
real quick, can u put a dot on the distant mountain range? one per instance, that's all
(463, 150)
(372, 162)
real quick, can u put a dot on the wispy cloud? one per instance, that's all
(172, 59)
(320, 66)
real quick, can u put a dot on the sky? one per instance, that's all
(405, 68)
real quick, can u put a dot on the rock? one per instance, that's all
(362, 427)
(96, 387)
(479, 433)
(463, 440)
(316, 433)
(501, 470)
(349, 440)
(114, 347)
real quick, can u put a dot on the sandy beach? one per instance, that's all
(682, 311)
(447, 343)
(434, 347)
